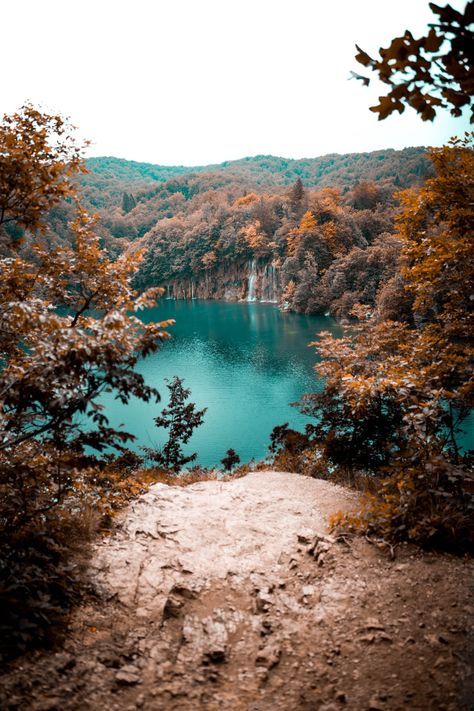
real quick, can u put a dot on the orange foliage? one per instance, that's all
(246, 200)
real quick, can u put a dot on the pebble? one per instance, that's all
(128, 674)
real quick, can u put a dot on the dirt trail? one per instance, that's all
(233, 596)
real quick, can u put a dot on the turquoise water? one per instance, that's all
(245, 362)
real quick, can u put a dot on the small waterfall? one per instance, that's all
(192, 290)
(168, 295)
(274, 296)
(269, 284)
(251, 282)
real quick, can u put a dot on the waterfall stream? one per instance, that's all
(251, 282)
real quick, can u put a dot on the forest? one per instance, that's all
(381, 241)
(319, 233)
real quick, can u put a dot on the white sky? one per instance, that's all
(202, 81)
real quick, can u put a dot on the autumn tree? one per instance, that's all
(39, 156)
(432, 72)
(397, 392)
(365, 195)
(411, 378)
(69, 331)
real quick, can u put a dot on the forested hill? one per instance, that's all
(110, 177)
(314, 235)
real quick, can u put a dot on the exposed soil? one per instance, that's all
(233, 596)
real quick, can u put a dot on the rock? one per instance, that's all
(183, 591)
(375, 704)
(305, 537)
(373, 624)
(215, 650)
(129, 674)
(173, 607)
(261, 673)
(376, 637)
(269, 656)
(263, 601)
(432, 639)
(319, 547)
(64, 661)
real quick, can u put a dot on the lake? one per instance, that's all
(245, 362)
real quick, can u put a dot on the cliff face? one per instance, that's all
(255, 280)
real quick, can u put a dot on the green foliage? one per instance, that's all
(181, 419)
(435, 71)
(128, 203)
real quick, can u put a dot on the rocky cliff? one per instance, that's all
(254, 280)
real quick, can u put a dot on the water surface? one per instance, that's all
(245, 362)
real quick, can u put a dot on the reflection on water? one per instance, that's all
(245, 362)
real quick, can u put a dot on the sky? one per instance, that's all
(194, 82)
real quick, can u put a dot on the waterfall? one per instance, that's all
(274, 296)
(168, 296)
(269, 284)
(192, 290)
(251, 282)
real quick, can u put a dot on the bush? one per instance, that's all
(430, 504)
(41, 578)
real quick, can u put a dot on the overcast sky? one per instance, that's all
(202, 81)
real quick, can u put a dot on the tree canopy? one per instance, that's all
(432, 72)
(39, 155)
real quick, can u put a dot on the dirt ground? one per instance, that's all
(233, 596)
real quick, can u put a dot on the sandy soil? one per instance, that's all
(233, 596)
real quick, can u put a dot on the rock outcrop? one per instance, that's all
(253, 280)
(235, 596)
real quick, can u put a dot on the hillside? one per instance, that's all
(314, 235)
(109, 177)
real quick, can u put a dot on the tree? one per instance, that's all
(39, 156)
(435, 71)
(128, 203)
(230, 460)
(68, 332)
(397, 392)
(68, 329)
(181, 419)
(296, 193)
